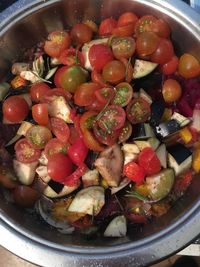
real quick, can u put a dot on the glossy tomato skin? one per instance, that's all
(58, 75)
(78, 152)
(57, 42)
(55, 146)
(25, 196)
(59, 167)
(96, 77)
(71, 56)
(127, 18)
(81, 33)
(138, 111)
(134, 172)
(171, 66)
(40, 114)
(60, 129)
(106, 26)
(99, 56)
(189, 66)
(85, 94)
(171, 91)
(164, 52)
(161, 28)
(105, 94)
(146, 43)
(144, 24)
(38, 90)
(74, 178)
(123, 47)
(38, 136)
(124, 31)
(103, 137)
(15, 109)
(51, 94)
(114, 72)
(149, 161)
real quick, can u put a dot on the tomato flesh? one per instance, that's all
(40, 114)
(138, 111)
(73, 179)
(38, 136)
(134, 172)
(60, 129)
(54, 146)
(71, 57)
(25, 152)
(85, 94)
(124, 94)
(106, 26)
(123, 47)
(78, 152)
(105, 95)
(149, 161)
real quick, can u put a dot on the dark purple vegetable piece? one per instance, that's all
(8, 131)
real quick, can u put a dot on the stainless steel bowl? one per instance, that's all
(23, 25)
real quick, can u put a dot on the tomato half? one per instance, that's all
(164, 52)
(55, 146)
(25, 152)
(38, 90)
(146, 43)
(123, 94)
(134, 172)
(171, 91)
(15, 109)
(114, 72)
(56, 42)
(60, 129)
(170, 67)
(71, 57)
(74, 134)
(127, 18)
(78, 152)
(105, 94)
(124, 31)
(123, 47)
(38, 136)
(81, 33)
(49, 96)
(73, 179)
(58, 75)
(40, 114)
(138, 111)
(106, 26)
(96, 77)
(99, 55)
(149, 161)
(188, 66)
(161, 28)
(85, 94)
(144, 24)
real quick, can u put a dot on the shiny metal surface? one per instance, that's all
(24, 234)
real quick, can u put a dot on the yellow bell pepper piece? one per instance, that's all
(196, 160)
(185, 135)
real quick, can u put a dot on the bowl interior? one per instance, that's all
(34, 27)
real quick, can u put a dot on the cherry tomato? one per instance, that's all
(164, 52)
(188, 66)
(96, 105)
(60, 129)
(114, 72)
(112, 118)
(146, 43)
(25, 152)
(138, 111)
(125, 132)
(99, 55)
(71, 57)
(58, 75)
(134, 172)
(25, 196)
(127, 18)
(97, 78)
(144, 24)
(149, 161)
(171, 91)
(161, 28)
(56, 42)
(129, 69)
(51, 94)
(38, 90)
(38, 136)
(81, 33)
(85, 94)
(40, 114)
(124, 31)
(78, 152)
(73, 179)
(15, 109)
(105, 94)
(74, 134)
(123, 47)
(59, 167)
(55, 146)
(106, 26)
(170, 67)
(123, 95)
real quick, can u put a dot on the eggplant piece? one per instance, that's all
(150, 83)
(123, 184)
(117, 227)
(161, 153)
(143, 94)
(130, 151)
(157, 111)
(179, 158)
(151, 142)
(59, 108)
(165, 129)
(91, 158)
(142, 131)
(25, 171)
(90, 178)
(182, 120)
(143, 68)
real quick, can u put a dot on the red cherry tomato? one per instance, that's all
(134, 172)
(71, 57)
(56, 42)
(149, 161)
(106, 26)
(129, 69)
(96, 106)
(188, 66)
(25, 152)
(171, 91)
(124, 31)
(123, 47)
(85, 94)
(114, 72)
(161, 28)
(164, 52)
(144, 24)
(123, 95)
(49, 96)
(99, 56)
(105, 94)
(55, 146)
(170, 67)
(15, 109)
(60, 129)
(59, 167)
(58, 76)
(146, 43)
(73, 179)
(38, 90)
(74, 134)
(81, 33)
(38, 136)
(97, 78)
(40, 114)
(78, 152)
(25, 196)
(127, 18)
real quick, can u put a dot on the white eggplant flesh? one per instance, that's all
(59, 108)
(117, 227)
(179, 168)
(143, 94)
(24, 127)
(182, 120)
(49, 192)
(130, 148)
(161, 153)
(89, 200)
(123, 184)
(25, 171)
(151, 142)
(142, 68)
(43, 159)
(43, 173)
(90, 178)
(196, 120)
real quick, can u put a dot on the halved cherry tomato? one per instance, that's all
(127, 18)
(59, 167)
(188, 66)
(144, 24)
(55, 146)
(25, 152)
(161, 28)
(146, 43)
(106, 26)
(134, 172)
(138, 111)
(125, 132)
(99, 55)
(15, 109)
(105, 94)
(56, 42)
(73, 179)
(170, 67)
(74, 134)
(38, 90)
(71, 57)
(164, 52)
(171, 91)
(149, 161)
(25, 196)
(124, 31)
(114, 72)
(60, 129)
(96, 77)
(123, 95)
(85, 94)
(40, 114)
(96, 106)
(78, 152)
(123, 47)
(38, 136)
(58, 75)
(129, 69)
(81, 33)
(112, 118)
(49, 96)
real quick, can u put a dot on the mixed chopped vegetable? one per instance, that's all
(100, 126)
